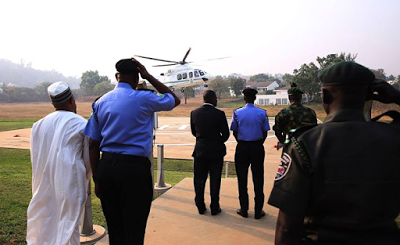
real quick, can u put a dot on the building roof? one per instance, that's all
(259, 84)
(283, 88)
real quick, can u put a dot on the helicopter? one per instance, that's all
(182, 76)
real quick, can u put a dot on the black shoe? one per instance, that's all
(259, 215)
(216, 212)
(202, 211)
(242, 213)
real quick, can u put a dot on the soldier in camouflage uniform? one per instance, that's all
(295, 116)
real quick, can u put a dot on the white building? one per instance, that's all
(280, 98)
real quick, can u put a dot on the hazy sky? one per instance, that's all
(259, 35)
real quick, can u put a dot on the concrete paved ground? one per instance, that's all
(174, 218)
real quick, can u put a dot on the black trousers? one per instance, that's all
(126, 195)
(201, 169)
(250, 153)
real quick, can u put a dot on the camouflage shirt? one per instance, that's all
(295, 116)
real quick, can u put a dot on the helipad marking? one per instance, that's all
(163, 127)
(182, 127)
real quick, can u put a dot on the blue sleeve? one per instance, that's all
(266, 123)
(160, 102)
(234, 126)
(92, 129)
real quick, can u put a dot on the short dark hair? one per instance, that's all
(209, 95)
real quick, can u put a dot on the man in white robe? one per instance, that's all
(60, 172)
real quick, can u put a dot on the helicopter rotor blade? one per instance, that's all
(144, 57)
(214, 59)
(166, 65)
(186, 55)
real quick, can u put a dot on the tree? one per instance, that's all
(391, 78)
(42, 87)
(262, 77)
(287, 78)
(379, 74)
(102, 88)
(307, 79)
(237, 84)
(220, 86)
(188, 93)
(90, 79)
(307, 76)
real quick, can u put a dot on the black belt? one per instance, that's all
(122, 157)
(260, 141)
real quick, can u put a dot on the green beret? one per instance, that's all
(346, 73)
(294, 91)
(126, 66)
(250, 92)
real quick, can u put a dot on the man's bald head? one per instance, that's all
(209, 96)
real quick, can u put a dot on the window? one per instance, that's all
(196, 74)
(179, 76)
(284, 102)
(190, 74)
(261, 101)
(279, 101)
(201, 73)
(267, 101)
(184, 75)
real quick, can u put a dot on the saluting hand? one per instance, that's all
(385, 93)
(142, 70)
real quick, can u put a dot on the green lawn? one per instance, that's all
(15, 192)
(10, 124)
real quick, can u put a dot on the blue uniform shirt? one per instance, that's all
(125, 119)
(250, 122)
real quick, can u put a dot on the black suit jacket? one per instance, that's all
(211, 130)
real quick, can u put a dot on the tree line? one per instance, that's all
(94, 84)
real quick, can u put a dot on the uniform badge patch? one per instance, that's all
(160, 95)
(283, 168)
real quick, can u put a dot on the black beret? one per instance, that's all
(250, 92)
(346, 73)
(126, 66)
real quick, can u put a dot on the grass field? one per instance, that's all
(15, 192)
(11, 124)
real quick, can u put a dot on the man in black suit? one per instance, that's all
(211, 130)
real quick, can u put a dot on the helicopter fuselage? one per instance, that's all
(185, 76)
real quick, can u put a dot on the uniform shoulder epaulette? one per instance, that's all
(293, 138)
(299, 131)
(93, 112)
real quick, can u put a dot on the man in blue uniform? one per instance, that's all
(122, 127)
(250, 126)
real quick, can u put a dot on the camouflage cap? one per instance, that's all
(294, 90)
(346, 73)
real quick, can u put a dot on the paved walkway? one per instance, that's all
(173, 218)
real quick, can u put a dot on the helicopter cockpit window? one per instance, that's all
(196, 74)
(190, 74)
(184, 75)
(201, 73)
(179, 76)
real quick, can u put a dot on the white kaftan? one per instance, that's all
(60, 175)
